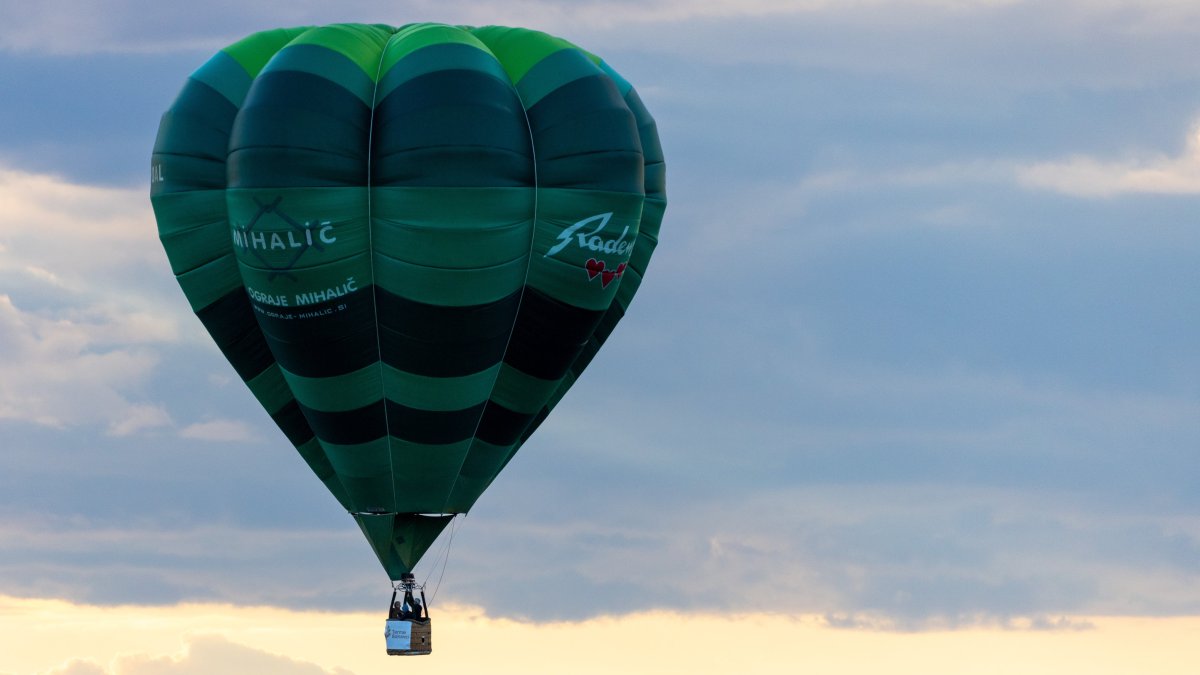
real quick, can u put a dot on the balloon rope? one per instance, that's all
(520, 300)
(371, 259)
(444, 556)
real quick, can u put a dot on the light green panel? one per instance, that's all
(425, 474)
(521, 392)
(365, 471)
(449, 287)
(337, 394)
(519, 49)
(362, 44)
(270, 388)
(452, 227)
(253, 52)
(193, 228)
(468, 54)
(623, 85)
(574, 229)
(314, 455)
(208, 283)
(315, 60)
(484, 460)
(551, 73)
(295, 228)
(226, 76)
(292, 294)
(438, 394)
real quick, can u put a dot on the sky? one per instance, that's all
(913, 379)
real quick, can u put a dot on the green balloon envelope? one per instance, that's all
(408, 242)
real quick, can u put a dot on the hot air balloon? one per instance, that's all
(408, 242)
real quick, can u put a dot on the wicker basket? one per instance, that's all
(420, 637)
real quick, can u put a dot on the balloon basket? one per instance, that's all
(409, 630)
(409, 638)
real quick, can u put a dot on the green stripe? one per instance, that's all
(253, 52)
(460, 228)
(519, 49)
(553, 72)
(563, 274)
(208, 283)
(521, 392)
(484, 461)
(298, 228)
(324, 62)
(450, 287)
(225, 75)
(271, 390)
(434, 58)
(365, 472)
(623, 85)
(338, 394)
(362, 44)
(364, 386)
(438, 393)
(192, 227)
(425, 474)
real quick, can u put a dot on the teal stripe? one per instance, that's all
(563, 274)
(450, 287)
(521, 392)
(552, 72)
(439, 394)
(193, 228)
(224, 74)
(329, 64)
(483, 462)
(350, 391)
(459, 228)
(271, 389)
(208, 283)
(438, 57)
(297, 228)
(623, 85)
(365, 386)
(365, 472)
(425, 474)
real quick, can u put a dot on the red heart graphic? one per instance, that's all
(606, 278)
(594, 267)
(621, 269)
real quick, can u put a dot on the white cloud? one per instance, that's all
(146, 640)
(220, 430)
(1084, 176)
(140, 417)
(213, 654)
(99, 241)
(88, 303)
(62, 368)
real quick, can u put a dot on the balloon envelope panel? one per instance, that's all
(408, 242)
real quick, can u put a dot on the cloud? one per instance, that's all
(97, 242)
(1090, 177)
(79, 667)
(69, 367)
(205, 639)
(213, 654)
(222, 430)
(88, 304)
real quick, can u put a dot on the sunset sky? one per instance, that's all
(912, 385)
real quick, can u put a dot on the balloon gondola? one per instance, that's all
(408, 242)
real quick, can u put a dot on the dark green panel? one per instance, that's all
(299, 130)
(399, 540)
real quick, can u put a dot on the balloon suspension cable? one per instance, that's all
(444, 557)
